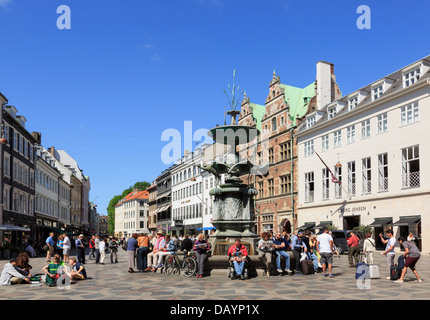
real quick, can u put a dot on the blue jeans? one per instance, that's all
(314, 258)
(238, 267)
(278, 259)
(142, 254)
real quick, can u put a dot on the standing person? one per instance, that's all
(265, 251)
(281, 247)
(297, 246)
(353, 250)
(411, 237)
(80, 249)
(142, 252)
(113, 246)
(238, 254)
(389, 248)
(201, 247)
(92, 245)
(102, 251)
(51, 249)
(412, 255)
(60, 243)
(96, 247)
(325, 249)
(131, 252)
(369, 248)
(67, 244)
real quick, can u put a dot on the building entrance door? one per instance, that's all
(349, 223)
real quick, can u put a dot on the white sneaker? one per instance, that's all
(388, 278)
(279, 270)
(419, 281)
(398, 281)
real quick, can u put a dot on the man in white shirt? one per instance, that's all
(67, 244)
(11, 274)
(102, 250)
(389, 248)
(325, 249)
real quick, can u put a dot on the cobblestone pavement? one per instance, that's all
(113, 282)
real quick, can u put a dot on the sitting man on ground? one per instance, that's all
(238, 254)
(53, 271)
(11, 274)
(78, 271)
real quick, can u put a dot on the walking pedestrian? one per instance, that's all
(353, 250)
(80, 249)
(50, 247)
(412, 254)
(142, 252)
(368, 248)
(113, 246)
(131, 252)
(92, 245)
(325, 249)
(201, 247)
(102, 251)
(66, 247)
(389, 248)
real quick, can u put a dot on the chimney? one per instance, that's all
(186, 153)
(52, 151)
(38, 137)
(324, 86)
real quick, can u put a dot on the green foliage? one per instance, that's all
(331, 227)
(364, 229)
(142, 185)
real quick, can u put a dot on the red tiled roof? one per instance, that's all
(133, 196)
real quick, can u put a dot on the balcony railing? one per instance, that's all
(367, 186)
(383, 184)
(411, 180)
(326, 193)
(309, 196)
(338, 191)
(352, 189)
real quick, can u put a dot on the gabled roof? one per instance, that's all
(141, 195)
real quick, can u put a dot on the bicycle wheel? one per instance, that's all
(170, 265)
(189, 267)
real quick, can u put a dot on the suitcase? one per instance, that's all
(394, 273)
(307, 267)
(374, 271)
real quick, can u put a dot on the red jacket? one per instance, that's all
(353, 241)
(92, 244)
(233, 249)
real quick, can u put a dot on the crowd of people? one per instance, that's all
(148, 252)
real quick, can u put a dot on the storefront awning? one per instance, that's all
(307, 225)
(380, 222)
(405, 221)
(9, 227)
(323, 224)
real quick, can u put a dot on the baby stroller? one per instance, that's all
(231, 270)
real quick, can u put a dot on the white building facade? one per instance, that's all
(375, 141)
(131, 214)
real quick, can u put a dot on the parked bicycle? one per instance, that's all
(188, 266)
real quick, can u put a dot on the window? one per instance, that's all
(382, 123)
(350, 134)
(260, 189)
(309, 187)
(410, 113)
(377, 92)
(325, 143)
(332, 111)
(383, 172)
(351, 178)
(274, 127)
(309, 148)
(365, 129)
(338, 186)
(6, 133)
(271, 156)
(352, 103)
(411, 167)
(271, 187)
(337, 138)
(367, 176)
(326, 184)
(286, 184)
(285, 150)
(411, 77)
(310, 121)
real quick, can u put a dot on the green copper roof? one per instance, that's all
(295, 97)
(258, 112)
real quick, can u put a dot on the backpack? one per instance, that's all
(52, 269)
(307, 266)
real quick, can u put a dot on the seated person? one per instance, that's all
(238, 255)
(52, 271)
(169, 249)
(265, 251)
(187, 244)
(30, 249)
(78, 271)
(22, 262)
(281, 247)
(11, 274)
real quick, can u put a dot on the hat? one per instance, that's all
(160, 232)
(81, 235)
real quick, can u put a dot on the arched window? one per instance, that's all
(185, 175)
(282, 121)
(189, 173)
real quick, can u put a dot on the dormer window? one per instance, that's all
(377, 92)
(411, 77)
(332, 111)
(310, 121)
(353, 102)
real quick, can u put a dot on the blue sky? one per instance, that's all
(127, 70)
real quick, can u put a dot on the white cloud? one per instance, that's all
(5, 3)
(155, 57)
(148, 46)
